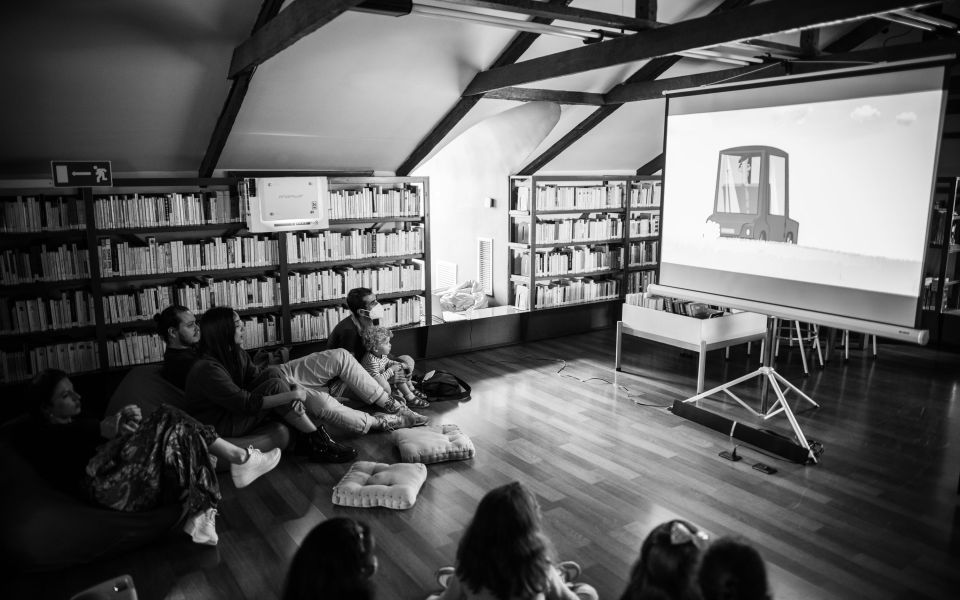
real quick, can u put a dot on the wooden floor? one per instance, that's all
(877, 518)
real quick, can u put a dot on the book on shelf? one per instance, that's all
(579, 197)
(124, 211)
(70, 309)
(72, 357)
(330, 284)
(575, 259)
(566, 230)
(567, 291)
(32, 214)
(375, 202)
(645, 194)
(367, 243)
(60, 263)
(120, 258)
(638, 281)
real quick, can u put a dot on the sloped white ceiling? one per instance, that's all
(138, 82)
(141, 82)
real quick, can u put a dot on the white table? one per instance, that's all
(689, 333)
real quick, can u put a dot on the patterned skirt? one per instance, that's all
(165, 461)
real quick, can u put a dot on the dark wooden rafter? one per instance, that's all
(231, 106)
(718, 28)
(299, 19)
(649, 90)
(538, 95)
(514, 50)
(810, 42)
(645, 9)
(652, 166)
(862, 32)
(649, 72)
(564, 13)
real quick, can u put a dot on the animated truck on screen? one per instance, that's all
(752, 199)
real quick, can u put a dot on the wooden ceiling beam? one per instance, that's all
(762, 19)
(650, 90)
(654, 165)
(563, 13)
(231, 106)
(514, 50)
(299, 19)
(653, 69)
(538, 95)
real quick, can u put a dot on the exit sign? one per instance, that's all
(81, 173)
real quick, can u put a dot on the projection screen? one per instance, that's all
(811, 195)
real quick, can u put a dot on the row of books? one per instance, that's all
(161, 210)
(639, 280)
(71, 309)
(72, 357)
(568, 260)
(930, 298)
(647, 224)
(644, 253)
(560, 197)
(645, 194)
(29, 214)
(570, 230)
(121, 258)
(330, 284)
(329, 245)
(375, 201)
(645, 300)
(40, 264)
(251, 292)
(569, 291)
(142, 348)
(318, 323)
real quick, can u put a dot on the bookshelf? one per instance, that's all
(941, 286)
(581, 239)
(83, 271)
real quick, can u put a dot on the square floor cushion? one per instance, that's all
(432, 444)
(368, 484)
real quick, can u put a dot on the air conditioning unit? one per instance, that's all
(285, 203)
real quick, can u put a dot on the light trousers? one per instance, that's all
(332, 373)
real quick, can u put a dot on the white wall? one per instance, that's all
(469, 171)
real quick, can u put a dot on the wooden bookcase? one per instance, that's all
(84, 270)
(581, 239)
(941, 287)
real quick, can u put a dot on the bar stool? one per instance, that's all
(801, 332)
(863, 342)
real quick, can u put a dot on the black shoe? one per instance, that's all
(322, 448)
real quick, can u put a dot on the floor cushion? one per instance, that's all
(368, 484)
(432, 444)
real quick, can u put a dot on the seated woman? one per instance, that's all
(146, 462)
(386, 371)
(335, 560)
(732, 569)
(505, 554)
(667, 563)
(225, 389)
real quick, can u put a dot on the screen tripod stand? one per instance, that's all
(769, 378)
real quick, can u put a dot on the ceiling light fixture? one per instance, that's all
(925, 18)
(695, 55)
(462, 15)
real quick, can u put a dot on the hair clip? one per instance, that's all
(681, 534)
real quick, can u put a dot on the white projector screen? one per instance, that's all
(812, 195)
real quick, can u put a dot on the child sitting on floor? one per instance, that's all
(504, 553)
(386, 371)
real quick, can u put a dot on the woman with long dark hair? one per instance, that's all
(335, 561)
(225, 389)
(505, 555)
(146, 463)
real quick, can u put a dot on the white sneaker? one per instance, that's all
(257, 464)
(202, 527)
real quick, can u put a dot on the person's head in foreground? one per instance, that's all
(335, 561)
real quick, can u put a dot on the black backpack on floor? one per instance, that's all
(444, 385)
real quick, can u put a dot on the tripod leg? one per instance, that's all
(794, 389)
(803, 350)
